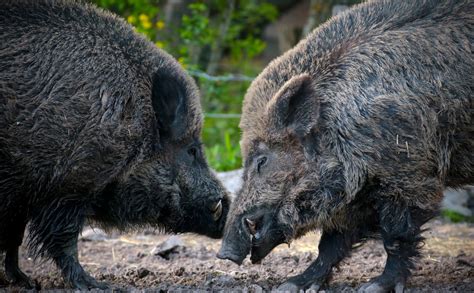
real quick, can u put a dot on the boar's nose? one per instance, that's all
(226, 254)
(236, 243)
(216, 210)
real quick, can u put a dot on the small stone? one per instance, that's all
(168, 247)
(90, 234)
(464, 262)
(457, 201)
(296, 259)
(223, 280)
(142, 273)
(232, 180)
(179, 272)
(255, 288)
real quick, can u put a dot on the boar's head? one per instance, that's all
(170, 185)
(291, 182)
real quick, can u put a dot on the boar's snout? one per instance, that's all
(236, 244)
(212, 218)
(256, 233)
(225, 253)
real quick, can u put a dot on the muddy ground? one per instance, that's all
(127, 263)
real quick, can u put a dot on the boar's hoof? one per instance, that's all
(289, 287)
(301, 283)
(18, 278)
(86, 282)
(377, 287)
(314, 288)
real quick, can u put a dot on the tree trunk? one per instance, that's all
(217, 47)
(319, 12)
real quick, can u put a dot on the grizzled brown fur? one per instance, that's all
(96, 124)
(357, 131)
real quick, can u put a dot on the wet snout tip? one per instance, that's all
(229, 256)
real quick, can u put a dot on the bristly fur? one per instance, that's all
(95, 123)
(357, 130)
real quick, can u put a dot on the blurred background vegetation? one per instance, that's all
(224, 45)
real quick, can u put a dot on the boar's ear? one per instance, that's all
(294, 106)
(169, 103)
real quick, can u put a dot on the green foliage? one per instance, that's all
(243, 38)
(200, 28)
(223, 156)
(195, 26)
(456, 217)
(142, 14)
(195, 33)
(221, 136)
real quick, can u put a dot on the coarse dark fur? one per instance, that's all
(96, 124)
(357, 131)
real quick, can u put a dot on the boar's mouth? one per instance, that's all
(216, 210)
(262, 247)
(258, 249)
(235, 245)
(239, 242)
(235, 251)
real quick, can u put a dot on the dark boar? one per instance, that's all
(356, 131)
(96, 124)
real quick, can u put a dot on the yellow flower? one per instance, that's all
(159, 44)
(143, 18)
(182, 61)
(146, 24)
(160, 24)
(131, 19)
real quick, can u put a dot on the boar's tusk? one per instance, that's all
(252, 226)
(217, 211)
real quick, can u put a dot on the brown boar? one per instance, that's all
(357, 131)
(96, 124)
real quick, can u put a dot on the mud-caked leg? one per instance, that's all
(400, 229)
(333, 247)
(56, 233)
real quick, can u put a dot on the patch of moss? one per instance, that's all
(456, 217)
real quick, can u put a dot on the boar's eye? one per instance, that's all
(192, 151)
(260, 163)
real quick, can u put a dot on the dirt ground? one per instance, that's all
(127, 263)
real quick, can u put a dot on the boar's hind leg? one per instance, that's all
(400, 229)
(333, 247)
(12, 269)
(54, 234)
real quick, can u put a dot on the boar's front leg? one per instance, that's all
(55, 232)
(12, 269)
(13, 272)
(333, 247)
(400, 229)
